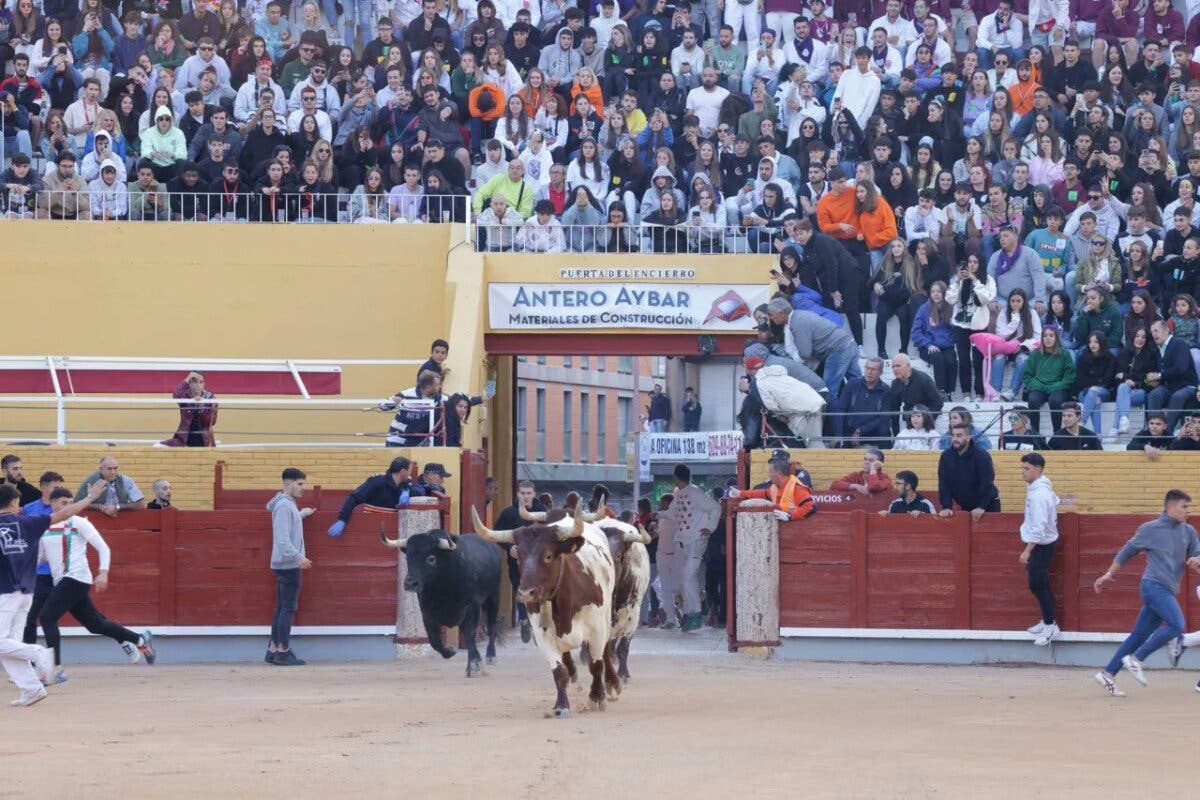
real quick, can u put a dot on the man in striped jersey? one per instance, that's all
(64, 548)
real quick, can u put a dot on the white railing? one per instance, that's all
(689, 237)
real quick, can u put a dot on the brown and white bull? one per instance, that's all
(631, 562)
(567, 577)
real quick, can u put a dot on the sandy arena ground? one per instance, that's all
(695, 722)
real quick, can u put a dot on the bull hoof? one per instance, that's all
(597, 705)
(491, 660)
(558, 713)
(448, 652)
(472, 669)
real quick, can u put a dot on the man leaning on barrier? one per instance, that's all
(390, 490)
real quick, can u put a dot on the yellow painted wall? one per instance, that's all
(190, 470)
(235, 291)
(1107, 482)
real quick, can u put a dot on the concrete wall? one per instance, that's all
(1105, 482)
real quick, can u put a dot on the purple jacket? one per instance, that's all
(1111, 27)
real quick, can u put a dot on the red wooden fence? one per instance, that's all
(214, 568)
(859, 570)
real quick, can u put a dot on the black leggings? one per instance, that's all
(514, 577)
(41, 591)
(287, 599)
(884, 311)
(970, 362)
(945, 367)
(1035, 399)
(71, 596)
(1038, 568)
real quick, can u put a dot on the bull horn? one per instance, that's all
(531, 516)
(576, 529)
(599, 514)
(447, 543)
(486, 533)
(396, 543)
(642, 536)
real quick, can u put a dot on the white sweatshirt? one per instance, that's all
(1040, 525)
(64, 548)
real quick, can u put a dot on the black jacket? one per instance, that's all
(1144, 437)
(660, 407)
(1084, 440)
(967, 478)
(26, 490)
(1135, 364)
(510, 518)
(1178, 369)
(378, 490)
(1093, 370)
(920, 390)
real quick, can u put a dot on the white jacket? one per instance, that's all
(816, 68)
(987, 36)
(1006, 328)
(691, 513)
(64, 548)
(787, 397)
(859, 93)
(1040, 525)
(984, 293)
(934, 221)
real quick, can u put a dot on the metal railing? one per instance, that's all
(691, 237)
(118, 203)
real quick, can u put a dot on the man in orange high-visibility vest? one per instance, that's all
(790, 497)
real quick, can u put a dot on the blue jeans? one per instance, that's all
(1173, 402)
(840, 364)
(287, 598)
(21, 143)
(359, 19)
(1091, 399)
(1127, 397)
(998, 364)
(1160, 621)
(658, 426)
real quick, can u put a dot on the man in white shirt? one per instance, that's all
(763, 62)
(688, 523)
(797, 100)
(507, 10)
(188, 76)
(687, 62)
(308, 105)
(859, 87)
(929, 35)
(705, 101)
(247, 100)
(1000, 31)
(900, 31)
(64, 548)
(886, 61)
(81, 115)
(803, 49)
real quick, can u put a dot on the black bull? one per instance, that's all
(452, 577)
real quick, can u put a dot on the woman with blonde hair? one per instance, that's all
(585, 84)
(536, 93)
(321, 156)
(499, 70)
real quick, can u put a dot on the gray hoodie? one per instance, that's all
(1167, 545)
(287, 532)
(559, 63)
(651, 200)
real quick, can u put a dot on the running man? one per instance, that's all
(64, 548)
(19, 538)
(45, 583)
(1170, 544)
(1176, 646)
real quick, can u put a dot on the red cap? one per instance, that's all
(754, 362)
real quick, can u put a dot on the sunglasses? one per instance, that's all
(206, 48)
(1099, 244)
(1094, 197)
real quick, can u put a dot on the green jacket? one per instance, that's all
(461, 84)
(1107, 320)
(1049, 373)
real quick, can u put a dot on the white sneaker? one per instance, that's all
(43, 664)
(1175, 650)
(1113, 433)
(1110, 686)
(29, 698)
(1006, 395)
(1048, 634)
(1123, 425)
(131, 650)
(1036, 628)
(1135, 669)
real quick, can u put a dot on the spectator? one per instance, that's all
(864, 407)
(920, 433)
(512, 186)
(909, 501)
(970, 295)
(1095, 371)
(1049, 377)
(287, 559)
(791, 498)
(658, 410)
(161, 490)
(933, 334)
(1072, 435)
(393, 489)
(966, 476)
(542, 232)
(438, 352)
(1018, 333)
(418, 412)
(1175, 383)
(458, 412)
(120, 491)
(911, 388)
(197, 416)
(691, 410)
(871, 479)
(1039, 532)
(1021, 435)
(14, 475)
(774, 391)
(1189, 434)
(1154, 438)
(811, 339)
(432, 482)
(499, 223)
(65, 193)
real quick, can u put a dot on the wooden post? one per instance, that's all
(422, 515)
(757, 582)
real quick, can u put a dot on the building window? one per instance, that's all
(601, 424)
(541, 360)
(625, 364)
(584, 427)
(601, 363)
(585, 362)
(540, 443)
(567, 361)
(660, 366)
(624, 406)
(521, 454)
(566, 447)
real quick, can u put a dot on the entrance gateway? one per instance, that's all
(582, 339)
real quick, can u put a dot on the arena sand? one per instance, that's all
(694, 722)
